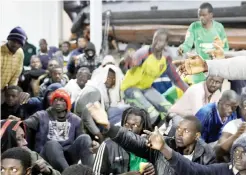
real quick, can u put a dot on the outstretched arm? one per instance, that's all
(174, 76)
(180, 164)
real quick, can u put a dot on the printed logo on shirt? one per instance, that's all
(206, 46)
(58, 130)
(30, 50)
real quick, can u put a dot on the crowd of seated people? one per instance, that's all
(66, 111)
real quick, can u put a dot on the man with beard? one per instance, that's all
(202, 35)
(237, 165)
(74, 86)
(186, 141)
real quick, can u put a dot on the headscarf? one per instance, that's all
(60, 93)
(8, 133)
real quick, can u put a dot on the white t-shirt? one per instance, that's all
(189, 156)
(232, 126)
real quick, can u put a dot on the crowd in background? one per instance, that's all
(65, 111)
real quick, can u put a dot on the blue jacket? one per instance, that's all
(211, 122)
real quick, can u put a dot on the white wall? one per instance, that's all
(39, 19)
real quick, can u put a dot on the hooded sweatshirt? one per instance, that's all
(85, 60)
(108, 59)
(46, 127)
(8, 140)
(95, 90)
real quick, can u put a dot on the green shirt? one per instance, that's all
(29, 51)
(135, 162)
(203, 40)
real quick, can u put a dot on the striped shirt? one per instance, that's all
(11, 66)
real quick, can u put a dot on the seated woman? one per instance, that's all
(13, 135)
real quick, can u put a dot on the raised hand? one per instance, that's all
(193, 65)
(24, 98)
(155, 140)
(241, 129)
(98, 113)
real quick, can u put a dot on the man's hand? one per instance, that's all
(193, 65)
(43, 166)
(241, 130)
(94, 147)
(156, 140)
(98, 114)
(24, 98)
(149, 170)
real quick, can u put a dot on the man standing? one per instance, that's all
(12, 58)
(29, 50)
(202, 34)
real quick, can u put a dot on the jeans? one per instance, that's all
(115, 114)
(150, 100)
(60, 158)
